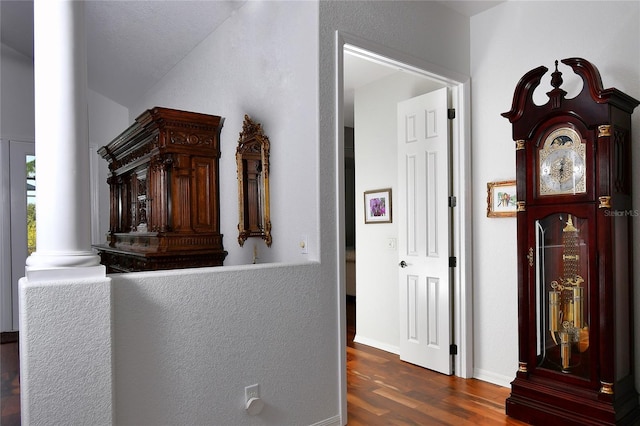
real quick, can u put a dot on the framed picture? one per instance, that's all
(501, 199)
(377, 206)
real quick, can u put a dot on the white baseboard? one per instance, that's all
(378, 345)
(332, 421)
(491, 377)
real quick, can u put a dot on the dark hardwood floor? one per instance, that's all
(9, 380)
(382, 390)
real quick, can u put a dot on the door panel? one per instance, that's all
(424, 214)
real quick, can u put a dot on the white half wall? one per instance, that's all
(186, 343)
(66, 352)
(506, 42)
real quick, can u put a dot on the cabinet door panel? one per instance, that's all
(202, 184)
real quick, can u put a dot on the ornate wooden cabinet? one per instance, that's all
(164, 197)
(574, 218)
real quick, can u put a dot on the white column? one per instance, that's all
(63, 246)
(66, 364)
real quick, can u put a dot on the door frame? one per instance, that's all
(461, 174)
(13, 232)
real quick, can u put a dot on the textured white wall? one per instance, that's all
(376, 162)
(66, 352)
(259, 62)
(186, 343)
(506, 42)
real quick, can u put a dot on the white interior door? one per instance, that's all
(424, 231)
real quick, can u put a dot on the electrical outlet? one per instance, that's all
(252, 391)
(253, 404)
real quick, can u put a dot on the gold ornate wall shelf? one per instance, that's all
(252, 156)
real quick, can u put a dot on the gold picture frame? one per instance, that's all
(377, 206)
(252, 157)
(501, 199)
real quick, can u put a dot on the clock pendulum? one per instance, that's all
(566, 319)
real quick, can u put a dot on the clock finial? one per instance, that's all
(557, 94)
(556, 77)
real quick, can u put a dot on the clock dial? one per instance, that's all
(562, 170)
(562, 163)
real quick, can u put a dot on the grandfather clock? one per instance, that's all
(575, 279)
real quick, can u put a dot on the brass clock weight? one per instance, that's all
(566, 319)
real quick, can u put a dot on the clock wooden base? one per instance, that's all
(538, 403)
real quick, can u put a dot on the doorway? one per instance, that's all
(17, 224)
(460, 161)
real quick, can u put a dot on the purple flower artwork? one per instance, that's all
(377, 207)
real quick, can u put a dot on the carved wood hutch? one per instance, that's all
(164, 193)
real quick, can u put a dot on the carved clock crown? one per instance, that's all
(524, 112)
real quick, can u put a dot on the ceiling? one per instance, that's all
(471, 7)
(131, 45)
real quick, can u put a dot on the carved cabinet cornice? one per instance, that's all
(164, 193)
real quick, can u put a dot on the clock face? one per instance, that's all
(562, 163)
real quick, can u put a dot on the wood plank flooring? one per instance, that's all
(9, 380)
(382, 390)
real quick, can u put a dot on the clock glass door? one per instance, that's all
(562, 287)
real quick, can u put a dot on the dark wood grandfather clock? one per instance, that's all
(574, 213)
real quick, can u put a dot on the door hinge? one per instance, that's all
(451, 113)
(453, 201)
(453, 262)
(453, 349)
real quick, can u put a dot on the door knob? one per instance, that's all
(403, 264)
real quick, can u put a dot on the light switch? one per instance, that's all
(392, 243)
